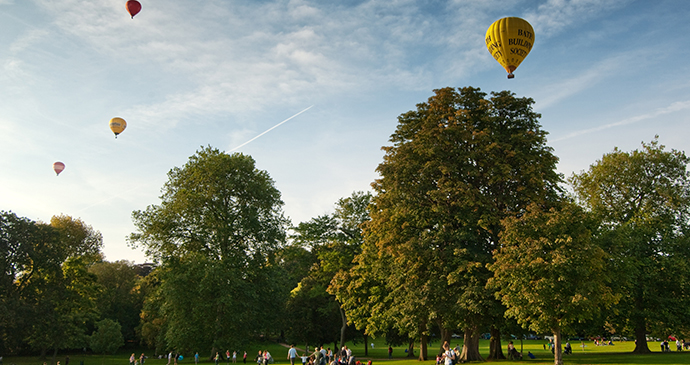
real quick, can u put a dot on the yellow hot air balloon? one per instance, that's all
(117, 125)
(509, 40)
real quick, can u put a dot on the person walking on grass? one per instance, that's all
(292, 354)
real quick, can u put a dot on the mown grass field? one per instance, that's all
(619, 354)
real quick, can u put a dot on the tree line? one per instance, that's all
(470, 229)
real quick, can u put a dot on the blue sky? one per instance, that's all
(186, 74)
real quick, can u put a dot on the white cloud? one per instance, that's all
(27, 40)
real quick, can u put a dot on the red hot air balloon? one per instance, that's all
(58, 167)
(133, 7)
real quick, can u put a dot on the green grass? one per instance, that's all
(619, 354)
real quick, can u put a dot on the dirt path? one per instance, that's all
(288, 346)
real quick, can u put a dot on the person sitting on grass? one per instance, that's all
(512, 352)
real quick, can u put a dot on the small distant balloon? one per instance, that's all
(58, 167)
(133, 7)
(117, 125)
(509, 40)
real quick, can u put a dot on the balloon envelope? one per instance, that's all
(117, 125)
(509, 40)
(133, 7)
(58, 167)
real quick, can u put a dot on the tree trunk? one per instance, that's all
(410, 349)
(470, 346)
(557, 354)
(54, 356)
(366, 345)
(343, 327)
(495, 350)
(422, 340)
(641, 338)
(423, 347)
(446, 336)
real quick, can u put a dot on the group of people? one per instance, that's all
(449, 356)
(680, 345)
(323, 356)
(174, 357)
(133, 359)
(602, 342)
(218, 358)
(264, 358)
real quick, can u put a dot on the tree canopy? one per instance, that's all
(215, 232)
(459, 164)
(549, 272)
(47, 294)
(642, 199)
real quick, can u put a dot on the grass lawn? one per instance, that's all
(619, 354)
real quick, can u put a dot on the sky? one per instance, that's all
(310, 89)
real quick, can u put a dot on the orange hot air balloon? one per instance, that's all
(58, 167)
(133, 7)
(509, 40)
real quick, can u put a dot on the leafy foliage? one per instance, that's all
(46, 291)
(642, 199)
(549, 272)
(458, 165)
(107, 338)
(216, 233)
(333, 240)
(119, 297)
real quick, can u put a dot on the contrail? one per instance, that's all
(270, 129)
(673, 107)
(110, 198)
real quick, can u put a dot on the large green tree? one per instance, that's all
(46, 292)
(26, 248)
(215, 232)
(63, 295)
(459, 164)
(642, 199)
(549, 271)
(333, 240)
